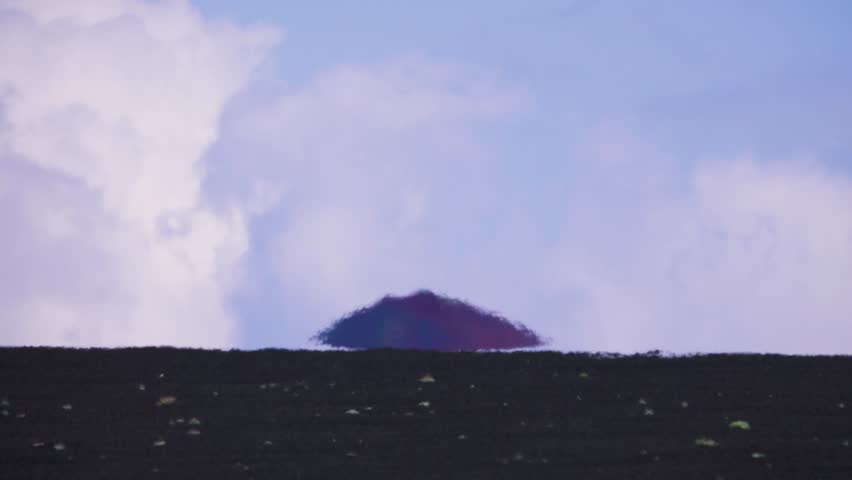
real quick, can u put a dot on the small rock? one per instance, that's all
(5, 413)
(4, 402)
(706, 442)
(841, 405)
(21, 415)
(38, 443)
(59, 446)
(758, 455)
(427, 378)
(642, 401)
(141, 387)
(194, 421)
(267, 443)
(584, 375)
(159, 442)
(649, 411)
(462, 437)
(684, 404)
(161, 376)
(352, 411)
(215, 394)
(66, 407)
(423, 404)
(193, 431)
(740, 424)
(166, 400)
(351, 454)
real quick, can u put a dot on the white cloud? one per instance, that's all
(376, 165)
(106, 116)
(733, 255)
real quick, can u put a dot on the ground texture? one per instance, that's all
(175, 413)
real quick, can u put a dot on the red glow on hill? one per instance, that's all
(425, 320)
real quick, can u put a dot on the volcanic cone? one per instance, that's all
(426, 321)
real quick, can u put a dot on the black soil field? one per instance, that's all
(179, 413)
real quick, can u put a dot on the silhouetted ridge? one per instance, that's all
(425, 320)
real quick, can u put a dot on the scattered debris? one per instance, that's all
(741, 424)
(427, 378)
(166, 400)
(706, 442)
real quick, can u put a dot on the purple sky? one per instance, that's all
(618, 176)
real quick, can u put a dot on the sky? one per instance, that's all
(617, 176)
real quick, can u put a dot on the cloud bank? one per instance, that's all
(730, 254)
(106, 115)
(158, 187)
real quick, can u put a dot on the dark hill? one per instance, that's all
(427, 321)
(374, 414)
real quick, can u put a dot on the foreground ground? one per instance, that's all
(163, 412)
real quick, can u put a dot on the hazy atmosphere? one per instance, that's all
(616, 175)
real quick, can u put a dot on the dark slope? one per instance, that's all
(283, 414)
(428, 321)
